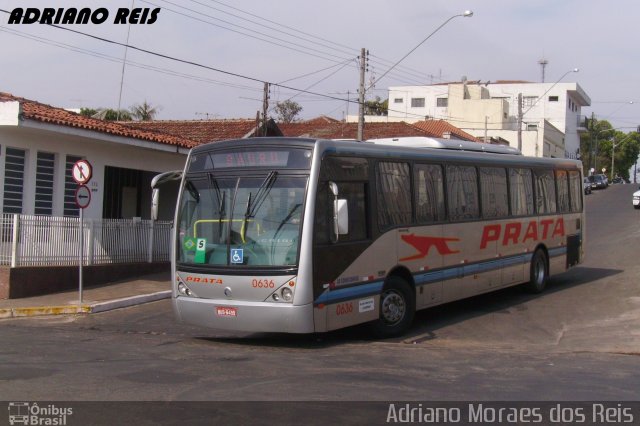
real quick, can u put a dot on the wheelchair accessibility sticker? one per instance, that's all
(237, 256)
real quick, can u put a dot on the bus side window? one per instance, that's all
(462, 191)
(563, 191)
(575, 189)
(493, 188)
(545, 191)
(521, 192)
(429, 193)
(394, 194)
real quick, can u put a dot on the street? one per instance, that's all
(579, 340)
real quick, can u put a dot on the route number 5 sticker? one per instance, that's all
(201, 250)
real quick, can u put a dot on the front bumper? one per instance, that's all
(250, 316)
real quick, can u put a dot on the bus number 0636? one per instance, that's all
(344, 308)
(262, 284)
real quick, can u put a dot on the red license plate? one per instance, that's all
(224, 311)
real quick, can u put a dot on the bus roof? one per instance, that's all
(384, 149)
(439, 143)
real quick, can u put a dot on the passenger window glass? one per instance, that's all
(521, 192)
(394, 194)
(563, 191)
(462, 192)
(493, 187)
(575, 187)
(429, 193)
(545, 191)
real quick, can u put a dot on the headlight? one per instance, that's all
(184, 290)
(287, 294)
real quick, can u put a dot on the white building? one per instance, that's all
(550, 120)
(39, 145)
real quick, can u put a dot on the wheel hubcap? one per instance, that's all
(393, 307)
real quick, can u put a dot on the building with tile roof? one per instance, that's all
(339, 130)
(39, 144)
(204, 131)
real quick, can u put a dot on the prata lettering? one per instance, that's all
(517, 232)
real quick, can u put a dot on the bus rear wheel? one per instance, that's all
(539, 272)
(397, 309)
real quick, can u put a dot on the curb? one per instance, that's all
(93, 308)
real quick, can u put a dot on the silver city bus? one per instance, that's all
(302, 235)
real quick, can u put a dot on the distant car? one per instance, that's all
(636, 199)
(586, 185)
(598, 181)
(618, 179)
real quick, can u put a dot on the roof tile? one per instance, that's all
(37, 111)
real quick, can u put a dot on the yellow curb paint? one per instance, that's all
(50, 310)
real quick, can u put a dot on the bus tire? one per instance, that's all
(538, 273)
(397, 309)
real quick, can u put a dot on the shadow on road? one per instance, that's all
(427, 321)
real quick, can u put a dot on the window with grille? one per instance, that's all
(417, 102)
(13, 180)
(44, 183)
(442, 102)
(70, 185)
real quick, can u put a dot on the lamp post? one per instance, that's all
(595, 156)
(465, 14)
(522, 114)
(613, 151)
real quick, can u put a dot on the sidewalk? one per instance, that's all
(120, 294)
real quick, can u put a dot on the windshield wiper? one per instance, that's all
(254, 204)
(213, 182)
(193, 191)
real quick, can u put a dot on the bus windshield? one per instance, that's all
(233, 221)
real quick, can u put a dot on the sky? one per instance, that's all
(233, 46)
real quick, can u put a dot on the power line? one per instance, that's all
(129, 62)
(350, 51)
(188, 62)
(300, 48)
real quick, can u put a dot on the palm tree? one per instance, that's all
(144, 111)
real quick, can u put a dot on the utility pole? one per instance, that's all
(486, 139)
(363, 66)
(520, 121)
(265, 108)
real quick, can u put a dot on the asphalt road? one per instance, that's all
(580, 340)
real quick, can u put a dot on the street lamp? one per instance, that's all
(613, 151)
(465, 14)
(595, 154)
(522, 114)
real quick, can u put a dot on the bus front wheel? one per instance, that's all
(539, 272)
(397, 308)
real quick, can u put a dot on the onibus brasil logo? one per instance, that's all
(30, 413)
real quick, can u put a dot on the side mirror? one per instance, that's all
(155, 193)
(155, 202)
(341, 217)
(340, 213)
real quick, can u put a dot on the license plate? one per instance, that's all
(223, 311)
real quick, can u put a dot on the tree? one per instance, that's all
(597, 146)
(144, 111)
(376, 107)
(107, 114)
(287, 111)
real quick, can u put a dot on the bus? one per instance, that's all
(300, 235)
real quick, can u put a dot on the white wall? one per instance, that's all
(100, 153)
(563, 114)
